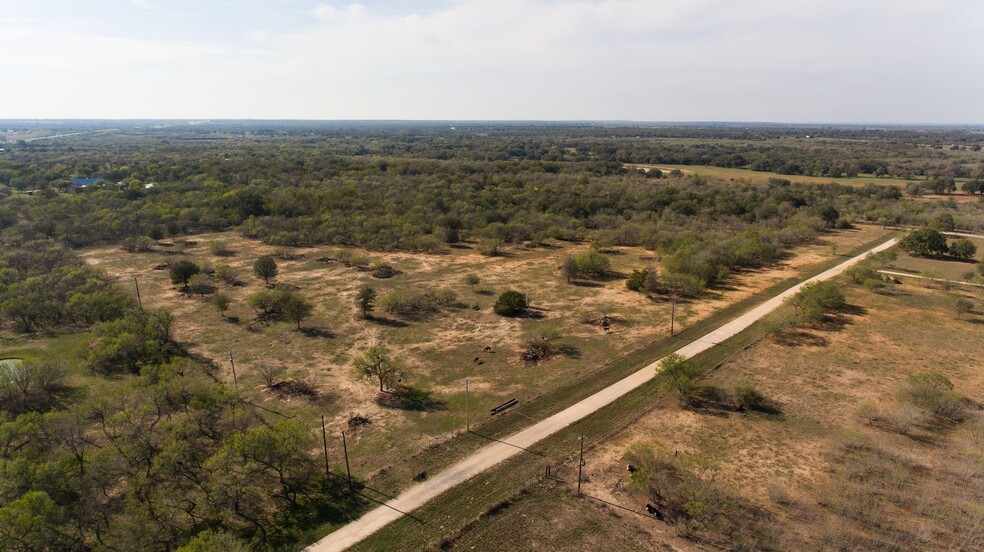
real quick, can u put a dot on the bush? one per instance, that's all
(182, 271)
(861, 272)
(511, 303)
(637, 280)
(490, 247)
(592, 264)
(815, 300)
(265, 268)
(964, 306)
(30, 385)
(140, 244)
(471, 279)
(227, 274)
(932, 392)
(680, 285)
(963, 249)
(411, 303)
(924, 242)
(352, 259)
(749, 398)
(383, 271)
(220, 248)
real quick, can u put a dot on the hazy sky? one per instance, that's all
(903, 61)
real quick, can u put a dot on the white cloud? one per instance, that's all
(792, 60)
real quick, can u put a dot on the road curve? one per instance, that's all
(491, 455)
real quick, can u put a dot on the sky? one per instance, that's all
(807, 61)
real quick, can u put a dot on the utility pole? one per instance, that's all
(580, 465)
(324, 439)
(347, 470)
(137, 286)
(235, 380)
(467, 414)
(672, 314)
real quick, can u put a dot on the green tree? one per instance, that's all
(511, 303)
(963, 248)
(592, 263)
(366, 300)
(265, 268)
(221, 302)
(377, 363)
(568, 268)
(295, 308)
(677, 373)
(182, 271)
(943, 222)
(924, 242)
(814, 300)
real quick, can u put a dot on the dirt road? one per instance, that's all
(487, 457)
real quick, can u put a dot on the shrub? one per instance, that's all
(963, 249)
(265, 268)
(471, 279)
(140, 244)
(932, 392)
(749, 398)
(924, 242)
(678, 284)
(30, 385)
(182, 271)
(964, 306)
(814, 300)
(221, 302)
(411, 303)
(861, 272)
(511, 303)
(490, 247)
(352, 259)
(383, 271)
(592, 264)
(227, 274)
(637, 280)
(220, 248)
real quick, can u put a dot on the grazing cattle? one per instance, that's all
(651, 510)
(476, 360)
(487, 349)
(631, 469)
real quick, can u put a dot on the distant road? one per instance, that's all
(67, 134)
(418, 495)
(917, 276)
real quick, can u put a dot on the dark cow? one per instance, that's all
(487, 349)
(651, 510)
(631, 469)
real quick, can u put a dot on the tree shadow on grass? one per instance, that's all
(405, 397)
(317, 332)
(569, 351)
(799, 338)
(388, 322)
(585, 284)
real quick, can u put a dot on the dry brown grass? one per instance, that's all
(833, 479)
(439, 349)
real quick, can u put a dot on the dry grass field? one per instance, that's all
(845, 464)
(949, 269)
(438, 350)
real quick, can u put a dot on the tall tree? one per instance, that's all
(377, 363)
(266, 268)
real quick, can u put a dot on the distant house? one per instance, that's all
(86, 182)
